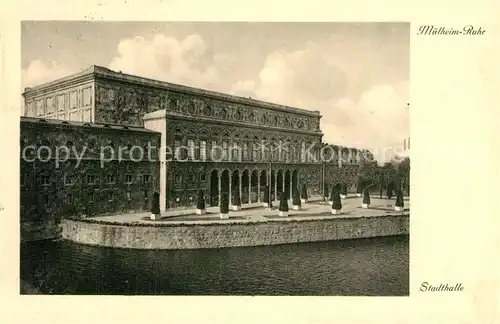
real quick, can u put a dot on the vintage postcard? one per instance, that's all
(221, 157)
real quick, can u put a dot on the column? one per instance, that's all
(276, 185)
(220, 185)
(250, 186)
(230, 185)
(240, 184)
(283, 180)
(258, 187)
(291, 182)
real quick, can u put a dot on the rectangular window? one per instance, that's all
(111, 196)
(145, 177)
(203, 150)
(203, 177)
(40, 108)
(177, 148)
(110, 178)
(73, 100)
(225, 151)
(236, 152)
(146, 194)
(178, 178)
(255, 151)
(60, 102)
(245, 151)
(90, 179)
(69, 198)
(90, 197)
(45, 199)
(191, 149)
(215, 153)
(128, 178)
(50, 105)
(190, 178)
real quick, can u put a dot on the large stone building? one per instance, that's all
(69, 168)
(209, 140)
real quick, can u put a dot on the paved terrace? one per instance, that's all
(314, 209)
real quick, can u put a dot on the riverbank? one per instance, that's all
(246, 228)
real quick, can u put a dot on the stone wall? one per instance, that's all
(216, 235)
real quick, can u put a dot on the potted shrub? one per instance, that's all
(366, 198)
(325, 192)
(296, 204)
(283, 208)
(236, 202)
(390, 189)
(303, 194)
(200, 203)
(266, 197)
(399, 206)
(224, 205)
(155, 207)
(359, 188)
(336, 203)
(343, 190)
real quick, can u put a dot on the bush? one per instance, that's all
(155, 205)
(236, 198)
(336, 201)
(224, 203)
(200, 202)
(283, 202)
(296, 198)
(399, 198)
(366, 196)
(303, 193)
(266, 194)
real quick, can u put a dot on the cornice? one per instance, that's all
(59, 84)
(170, 115)
(106, 74)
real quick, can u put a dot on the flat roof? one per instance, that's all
(99, 71)
(59, 122)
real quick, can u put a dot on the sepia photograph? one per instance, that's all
(215, 158)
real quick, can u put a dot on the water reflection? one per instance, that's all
(377, 266)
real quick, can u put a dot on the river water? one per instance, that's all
(376, 267)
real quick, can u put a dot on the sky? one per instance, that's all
(355, 74)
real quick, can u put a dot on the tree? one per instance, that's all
(200, 202)
(366, 196)
(224, 203)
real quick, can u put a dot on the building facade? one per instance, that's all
(73, 168)
(209, 141)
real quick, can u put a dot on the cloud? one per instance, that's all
(313, 79)
(189, 61)
(39, 72)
